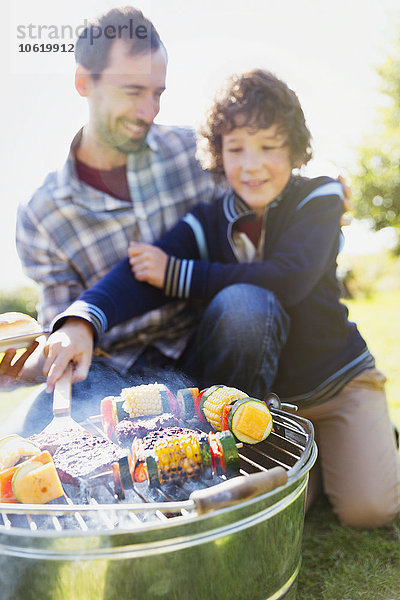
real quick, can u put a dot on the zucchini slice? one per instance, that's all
(14, 448)
(205, 454)
(36, 483)
(125, 470)
(6, 476)
(250, 420)
(166, 401)
(230, 453)
(152, 470)
(186, 399)
(6, 438)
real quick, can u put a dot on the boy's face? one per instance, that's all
(257, 164)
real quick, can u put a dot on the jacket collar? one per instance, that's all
(235, 208)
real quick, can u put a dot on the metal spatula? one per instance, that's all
(62, 419)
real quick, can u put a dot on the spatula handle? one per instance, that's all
(62, 393)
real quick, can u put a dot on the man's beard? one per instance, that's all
(131, 145)
(122, 143)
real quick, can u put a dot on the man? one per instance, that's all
(125, 179)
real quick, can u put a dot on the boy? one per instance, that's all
(277, 234)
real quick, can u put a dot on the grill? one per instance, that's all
(157, 543)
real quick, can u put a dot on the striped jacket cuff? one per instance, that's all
(178, 277)
(83, 310)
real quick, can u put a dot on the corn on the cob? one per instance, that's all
(215, 402)
(144, 400)
(178, 459)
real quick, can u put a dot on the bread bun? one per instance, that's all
(13, 324)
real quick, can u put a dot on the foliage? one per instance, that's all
(376, 184)
(23, 299)
(365, 275)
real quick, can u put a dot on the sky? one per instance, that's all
(325, 50)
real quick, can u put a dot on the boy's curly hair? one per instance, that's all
(257, 100)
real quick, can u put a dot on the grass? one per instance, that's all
(379, 322)
(340, 563)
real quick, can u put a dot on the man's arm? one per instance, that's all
(43, 261)
(73, 342)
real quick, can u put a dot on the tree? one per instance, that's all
(376, 183)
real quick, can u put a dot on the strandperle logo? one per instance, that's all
(92, 32)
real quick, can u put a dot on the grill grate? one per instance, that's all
(97, 507)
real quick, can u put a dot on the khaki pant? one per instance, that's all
(358, 459)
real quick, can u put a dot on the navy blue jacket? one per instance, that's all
(300, 246)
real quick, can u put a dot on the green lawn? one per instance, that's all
(340, 563)
(378, 319)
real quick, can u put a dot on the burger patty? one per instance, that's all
(78, 455)
(52, 441)
(139, 427)
(86, 456)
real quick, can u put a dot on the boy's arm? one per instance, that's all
(116, 297)
(119, 296)
(297, 263)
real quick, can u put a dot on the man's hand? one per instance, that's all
(148, 263)
(73, 342)
(347, 204)
(10, 369)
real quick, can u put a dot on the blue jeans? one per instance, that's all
(239, 340)
(237, 343)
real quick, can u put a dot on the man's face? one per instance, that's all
(124, 101)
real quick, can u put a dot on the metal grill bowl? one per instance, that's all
(165, 549)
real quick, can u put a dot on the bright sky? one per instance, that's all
(325, 50)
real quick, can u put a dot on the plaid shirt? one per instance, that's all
(70, 234)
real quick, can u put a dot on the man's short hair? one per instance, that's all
(93, 45)
(257, 100)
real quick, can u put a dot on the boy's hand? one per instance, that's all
(73, 342)
(347, 204)
(148, 263)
